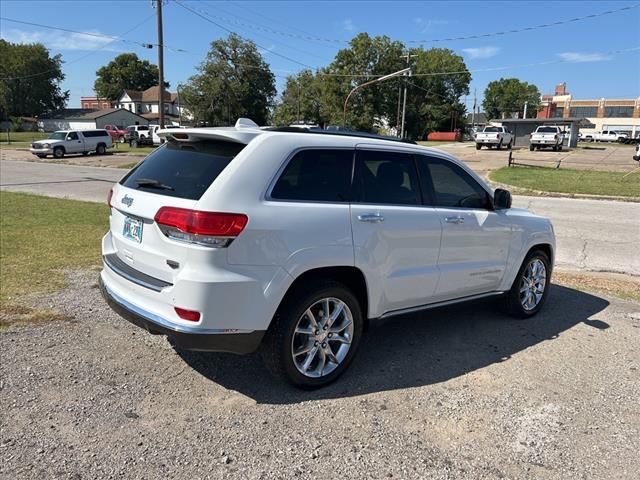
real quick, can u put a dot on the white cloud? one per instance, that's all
(60, 40)
(424, 26)
(481, 52)
(347, 25)
(583, 57)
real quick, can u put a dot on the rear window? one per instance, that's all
(182, 169)
(316, 176)
(547, 130)
(492, 129)
(142, 127)
(95, 133)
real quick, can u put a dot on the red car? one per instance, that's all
(117, 133)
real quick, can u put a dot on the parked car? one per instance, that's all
(157, 139)
(238, 239)
(117, 133)
(63, 142)
(547, 136)
(491, 136)
(141, 130)
(607, 136)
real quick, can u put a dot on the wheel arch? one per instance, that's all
(352, 277)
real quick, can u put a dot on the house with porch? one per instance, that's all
(145, 103)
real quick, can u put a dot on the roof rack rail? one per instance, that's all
(342, 133)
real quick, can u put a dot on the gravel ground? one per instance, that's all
(462, 392)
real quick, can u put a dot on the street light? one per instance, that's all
(404, 71)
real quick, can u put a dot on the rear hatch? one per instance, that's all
(174, 176)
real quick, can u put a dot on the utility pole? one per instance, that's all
(526, 103)
(473, 114)
(160, 65)
(404, 103)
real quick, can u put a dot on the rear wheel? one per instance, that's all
(58, 152)
(510, 144)
(531, 286)
(499, 146)
(101, 149)
(314, 334)
(478, 146)
(531, 148)
(121, 139)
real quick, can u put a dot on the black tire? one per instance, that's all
(58, 152)
(277, 344)
(41, 156)
(509, 145)
(559, 148)
(512, 301)
(101, 149)
(84, 154)
(499, 146)
(531, 148)
(478, 146)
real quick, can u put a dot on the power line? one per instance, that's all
(205, 16)
(92, 34)
(314, 38)
(83, 56)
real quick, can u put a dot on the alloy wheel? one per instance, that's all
(322, 337)
(533, 283)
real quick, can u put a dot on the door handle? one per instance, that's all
(457, 220)
(371, 218)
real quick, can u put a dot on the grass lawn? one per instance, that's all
(125, 148)
(565, 180)
(40, 237)
(22, 136)
(14, 145)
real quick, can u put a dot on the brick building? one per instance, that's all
(94, 103)
(605, 113)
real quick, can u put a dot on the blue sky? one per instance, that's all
(578, 53)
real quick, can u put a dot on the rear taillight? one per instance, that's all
(211, 229)
(185, 314)
(109, 196)
(531, 135)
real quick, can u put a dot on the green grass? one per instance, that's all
(125, 148)
(565, 180)
(22, 136)
(40, 237)
(13, 145)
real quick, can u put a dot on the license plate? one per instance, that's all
(132, 229)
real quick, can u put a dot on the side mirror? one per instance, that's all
(501, 199)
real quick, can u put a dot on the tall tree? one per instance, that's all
(125, 72)
(508, 95)
(29, 80)
(300, 100)
(233, 81)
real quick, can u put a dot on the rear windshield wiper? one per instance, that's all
(151, 183)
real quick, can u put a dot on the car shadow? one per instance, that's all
(415, 350)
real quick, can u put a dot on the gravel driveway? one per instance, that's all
(461, 392)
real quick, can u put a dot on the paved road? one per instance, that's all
(595, 235)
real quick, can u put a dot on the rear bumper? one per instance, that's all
(183, 337)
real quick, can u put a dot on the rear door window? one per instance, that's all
(182, 169)
(316, 175)
(387, 178)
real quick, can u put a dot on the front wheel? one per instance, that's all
(58, 152)
(314, 334)
(531, 286)
(478, 146)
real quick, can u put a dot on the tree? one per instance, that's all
(433, 101)
(29, 80)
(508, 95)
(233, 81)
(125, 72)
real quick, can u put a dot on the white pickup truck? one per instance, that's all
(543, 137)
(63, 142)
(606, 136)
(494, 136)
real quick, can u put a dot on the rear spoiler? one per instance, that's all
(243, 132)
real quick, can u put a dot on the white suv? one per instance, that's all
(235, 239)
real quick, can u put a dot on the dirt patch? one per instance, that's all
(626, 287)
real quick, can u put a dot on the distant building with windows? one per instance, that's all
(145, 103)
(94, 103)
(605, 113)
